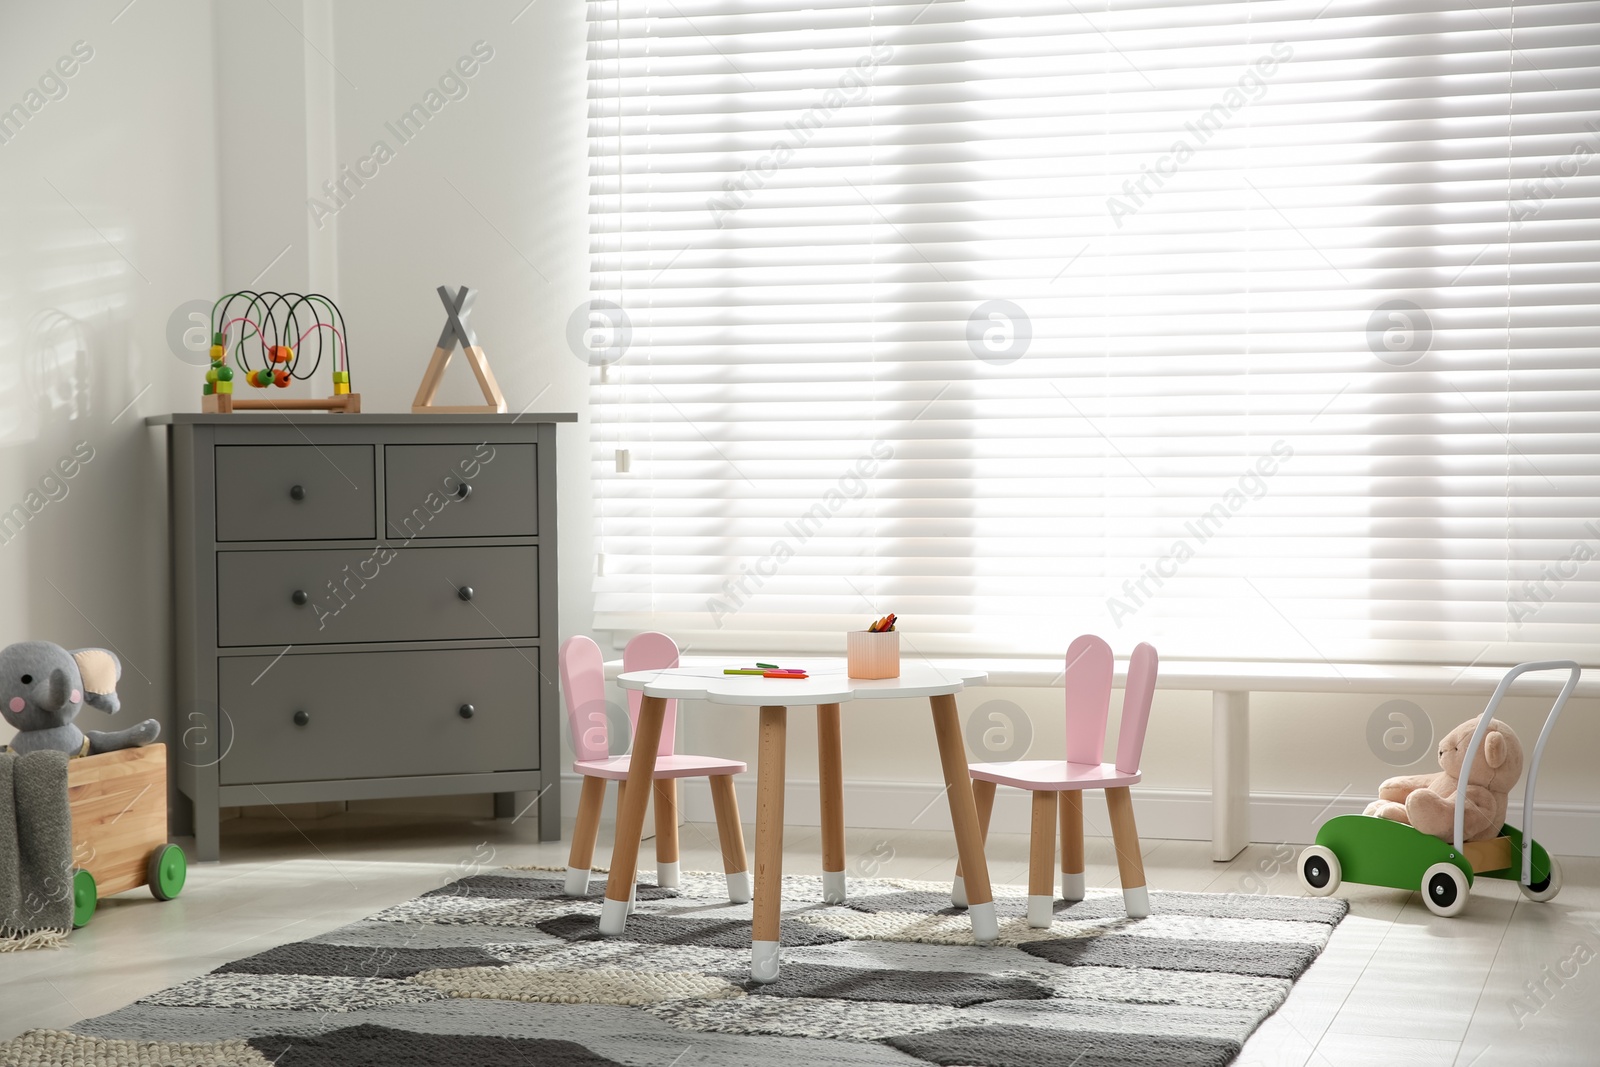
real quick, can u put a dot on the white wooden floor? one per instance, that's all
(1396, 985)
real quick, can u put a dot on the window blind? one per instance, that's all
(1253, 330)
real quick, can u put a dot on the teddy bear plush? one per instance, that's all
(1428, 801)
(42, 689)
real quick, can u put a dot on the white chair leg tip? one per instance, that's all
(985, 924)
(667, 874)
(1137, 901)
(958, 892)
(613, 917)
(833, 888)
(739, 887)
(1072, 886)
(577, 882)
(1041, 911)
(764, 961)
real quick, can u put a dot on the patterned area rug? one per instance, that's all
(500, 968)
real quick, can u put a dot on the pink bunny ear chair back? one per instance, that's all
(1137, 696)
(652, 652)
(583, 690)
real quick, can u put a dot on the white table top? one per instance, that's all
(1247, 676)
(827, 684)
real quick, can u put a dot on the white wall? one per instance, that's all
(491, 193)
(108, 221)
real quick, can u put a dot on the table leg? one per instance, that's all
(768, 903)
(1230, 774)
(964, 818)
(983, 793)
(630, 815)
(830, 772)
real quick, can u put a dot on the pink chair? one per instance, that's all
(583, 689)
(1061, 783)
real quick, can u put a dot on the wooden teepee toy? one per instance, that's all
(458, 331)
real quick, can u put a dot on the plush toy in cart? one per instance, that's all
(116, 779)
(1436, 833)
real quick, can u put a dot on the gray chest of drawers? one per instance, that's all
(364, 606)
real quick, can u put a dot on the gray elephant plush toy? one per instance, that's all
(42, 689)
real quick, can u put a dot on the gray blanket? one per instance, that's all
(35, 850)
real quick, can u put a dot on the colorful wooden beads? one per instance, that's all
(341, 383)
(259, 379)
(280, 353)
(280, 378)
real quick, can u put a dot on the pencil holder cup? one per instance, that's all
(870, 655)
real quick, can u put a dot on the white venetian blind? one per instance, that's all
(1254, 330)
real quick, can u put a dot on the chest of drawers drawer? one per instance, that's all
(295, 492)
(465, 490)
(330, 596)
(378, 714)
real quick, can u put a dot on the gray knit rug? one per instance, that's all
(501, 969)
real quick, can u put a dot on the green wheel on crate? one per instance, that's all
(166, 872)
(84, 897)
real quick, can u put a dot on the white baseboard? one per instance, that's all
(1174, 814)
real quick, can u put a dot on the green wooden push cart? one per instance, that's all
(1374, 851)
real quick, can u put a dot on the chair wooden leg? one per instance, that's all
(1130, 862)
(1071, 844)
(734, 859)
(983, 796)
(584, 832)
(1041, 860)
(666, 790)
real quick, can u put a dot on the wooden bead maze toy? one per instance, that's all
(273, 329)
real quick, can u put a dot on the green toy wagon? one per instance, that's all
(1374, 851)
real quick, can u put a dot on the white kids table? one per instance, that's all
(827, 688)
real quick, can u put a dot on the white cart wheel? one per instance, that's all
(1444, 889)
(1543, 891)
(1319, 870)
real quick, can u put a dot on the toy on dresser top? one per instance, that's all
(275, 327)
(42, 689)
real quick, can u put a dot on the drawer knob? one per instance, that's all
(465, 491)
(299, 596)
(467, 710)
(297, 492)
(301, 718)
(465, 592)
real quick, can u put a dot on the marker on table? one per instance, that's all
(765, 671)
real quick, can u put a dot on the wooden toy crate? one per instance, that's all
(119, 827)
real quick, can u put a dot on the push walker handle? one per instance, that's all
(1538, 751)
